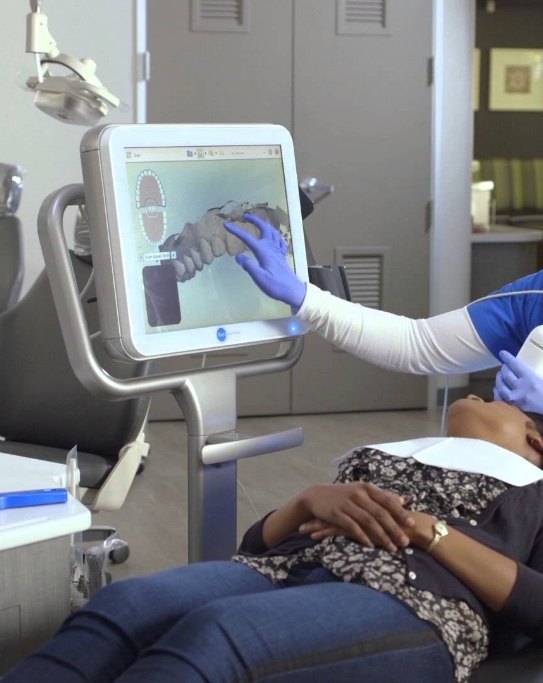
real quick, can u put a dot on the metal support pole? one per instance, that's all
(209, 407)
(207, 397)
(208, 403)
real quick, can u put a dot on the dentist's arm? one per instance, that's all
(446, 343)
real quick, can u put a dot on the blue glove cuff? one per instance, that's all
(298, 296)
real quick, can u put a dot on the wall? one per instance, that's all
(382, 166)
(450, 247)
(47, 149)
(497, 133)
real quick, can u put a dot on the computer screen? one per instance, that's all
(157, 199)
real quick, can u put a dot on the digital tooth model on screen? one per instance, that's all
(157, 198)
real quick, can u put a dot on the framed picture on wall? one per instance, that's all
(516, 80)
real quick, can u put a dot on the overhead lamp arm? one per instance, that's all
(38, 37)
(78, 98)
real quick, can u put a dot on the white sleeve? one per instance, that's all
(444, 344)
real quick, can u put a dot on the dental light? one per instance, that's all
(78, 97)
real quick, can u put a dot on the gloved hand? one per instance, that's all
(516, 383)
(269, 269)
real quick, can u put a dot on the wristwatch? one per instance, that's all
(440, 531)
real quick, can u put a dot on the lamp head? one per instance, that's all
(77, 97)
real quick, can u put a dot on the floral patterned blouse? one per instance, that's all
(426, 488)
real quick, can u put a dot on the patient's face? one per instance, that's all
(497, 422)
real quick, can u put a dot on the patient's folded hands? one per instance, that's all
(364, 512)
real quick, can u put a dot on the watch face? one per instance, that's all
(441, 528)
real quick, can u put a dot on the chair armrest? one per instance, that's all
(113, 492)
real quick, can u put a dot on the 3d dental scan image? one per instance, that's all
(206, 239)
(186, 254)
(198, 245)
(183, 255)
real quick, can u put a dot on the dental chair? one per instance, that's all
(513, 659)
(11, 261)
(45, 410)
(11, 243)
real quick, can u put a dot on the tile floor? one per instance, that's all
(154, 518)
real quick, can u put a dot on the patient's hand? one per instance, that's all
(364, 512)
(418, 533)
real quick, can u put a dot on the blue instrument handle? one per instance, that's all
(20, 499)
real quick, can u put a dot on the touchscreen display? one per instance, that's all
(186, 273)
(158, 196)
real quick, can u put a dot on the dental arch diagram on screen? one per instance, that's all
(151, 205)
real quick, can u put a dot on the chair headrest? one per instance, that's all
(11, 186)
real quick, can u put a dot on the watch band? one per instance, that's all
(440, 531)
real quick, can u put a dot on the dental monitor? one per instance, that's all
(157, 197)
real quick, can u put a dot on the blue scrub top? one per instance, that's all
(505, 322)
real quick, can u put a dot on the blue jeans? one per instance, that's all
(221, 622)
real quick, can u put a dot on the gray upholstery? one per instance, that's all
(44, 409)
(11, 261)
(523, 668)
(514, 659)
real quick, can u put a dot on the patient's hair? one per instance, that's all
(538, 421)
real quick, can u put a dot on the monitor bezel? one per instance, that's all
(108, 200)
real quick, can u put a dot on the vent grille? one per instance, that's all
(362, 17)
(364, 273)
(222, 16)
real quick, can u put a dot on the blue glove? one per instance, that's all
(269, 269)
(518, 384)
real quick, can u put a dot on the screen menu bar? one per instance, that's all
(139, 154)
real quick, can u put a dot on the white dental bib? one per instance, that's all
(466, 455)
